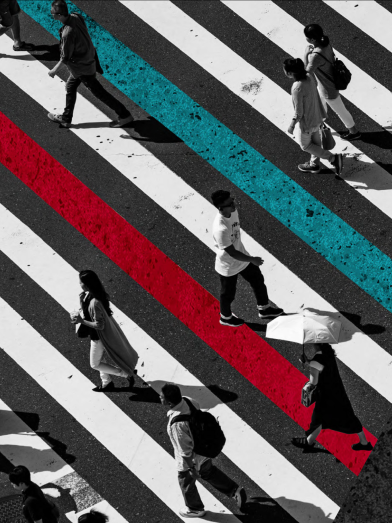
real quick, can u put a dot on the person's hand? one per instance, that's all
(194, 473)
(290, 130)
(256, 260)
(52, 73)
(76, 318)
(309, 49)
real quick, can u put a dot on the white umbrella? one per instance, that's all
(305, 327)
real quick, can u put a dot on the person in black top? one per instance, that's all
(332, 409)
(36, 508)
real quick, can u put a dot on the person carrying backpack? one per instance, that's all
(191, 431)
(319, 59)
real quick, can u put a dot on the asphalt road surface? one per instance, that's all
(205, 84)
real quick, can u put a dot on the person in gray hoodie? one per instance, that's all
(309, 114)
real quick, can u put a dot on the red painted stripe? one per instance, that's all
(250, 355)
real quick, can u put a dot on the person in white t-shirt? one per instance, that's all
(232, 259)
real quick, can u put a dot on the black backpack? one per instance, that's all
(341, 75)
(207, 434)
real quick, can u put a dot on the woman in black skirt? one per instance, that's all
(333, 409)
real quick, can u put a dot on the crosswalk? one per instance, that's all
(142, 219)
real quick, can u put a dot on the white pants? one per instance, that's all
(310, 142)
(96, 354)
(338, 106)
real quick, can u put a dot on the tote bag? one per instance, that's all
(327, 140)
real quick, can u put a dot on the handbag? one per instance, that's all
(309, 394)
(327, 140)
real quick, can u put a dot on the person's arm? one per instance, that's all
(67, 49)
(97, 316)
(308, 51)
(298, 108)
(184, 442)
(240, 256)
(314, 375)
(314, 60)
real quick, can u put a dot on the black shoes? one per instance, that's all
(302, 443)
(240, 497)
(359, 446)
(350, 137)
(270, 312)
(338, 163)
(233, 321)
(109, 388)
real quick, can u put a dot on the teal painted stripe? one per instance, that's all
(298, 210)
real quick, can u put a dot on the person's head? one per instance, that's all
(90, 282)
(93, 517)
(59, 10)
(311, 349)
(170, 395)
(20, 477)
(294, 68)
(223, 202)
(314, 34)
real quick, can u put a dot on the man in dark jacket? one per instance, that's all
(36, 508)
(78, 54)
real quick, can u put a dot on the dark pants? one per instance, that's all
(251, 274)
(213, 476)
(91, 82)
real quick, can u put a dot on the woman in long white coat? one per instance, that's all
(99, 317)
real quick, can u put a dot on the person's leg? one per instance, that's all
(340, 109)
(92, 83)
(313, 435)
(96, 355)
(15, 29)
(218, 479)
(7, 20)
(71, 89)
(189, 490)
(313, 147)
(362, 438)
(253, 276)
(227, 294)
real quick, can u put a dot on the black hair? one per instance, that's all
(20, 474)
(218, 197)
(326, 349)
(296, 67)
(60, 7)
(93, 517)
(91, 280)
(315, 32)
(172, 393)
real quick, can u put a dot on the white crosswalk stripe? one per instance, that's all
(97, 413)
(20, 445)
(356, 350)
(360, 172)
(370, 17)
(114, 429)
(286, 32)
(266, 467)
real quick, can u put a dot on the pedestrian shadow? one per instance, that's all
(144, 395)
(207, 396)
(58, 446)
(51, 54)
(368, 328)
(26, 57)
(97, 125)
(382, 139)
(150, 130)
(62, 497)
(257, 327)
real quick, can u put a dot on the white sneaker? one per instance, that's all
(189, 513)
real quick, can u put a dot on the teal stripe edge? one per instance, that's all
(304, 215)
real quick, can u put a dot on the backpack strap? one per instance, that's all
(184, 417)
(329, 61)
(180, 417)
